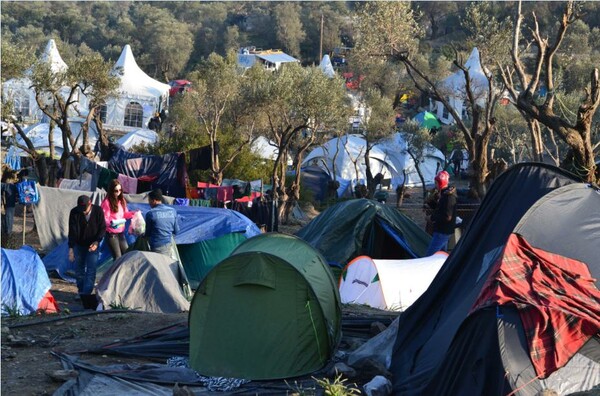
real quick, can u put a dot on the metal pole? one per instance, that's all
(24, 215)
(321, 41)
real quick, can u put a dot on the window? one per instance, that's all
(445, 113)
(134, 115)
(21, 103)
(102, 111)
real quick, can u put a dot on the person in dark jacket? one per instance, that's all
(10, 197)
(86, 229)
(444, 215)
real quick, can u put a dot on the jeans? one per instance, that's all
(438, 242)
(117, 244)
(8, 219)
(167, 250)
(85, 270)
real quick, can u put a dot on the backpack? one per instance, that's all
(28, 192)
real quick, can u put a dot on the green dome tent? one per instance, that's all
(364, 227)
(270, 310)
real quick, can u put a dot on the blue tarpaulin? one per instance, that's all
(24, 280)
(196, 224)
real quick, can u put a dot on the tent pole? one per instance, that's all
(24, 214)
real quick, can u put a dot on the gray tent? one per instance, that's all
(144, 281)
(491, 322)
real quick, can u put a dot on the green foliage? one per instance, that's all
(288, 27)
(337, 387)
(487, 33)
(119, 305)
(12, 311)
(386, 29)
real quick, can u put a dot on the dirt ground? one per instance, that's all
(27, 343)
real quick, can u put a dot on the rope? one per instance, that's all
(315, 330)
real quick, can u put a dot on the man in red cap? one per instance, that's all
(86, 229)
(444, 215)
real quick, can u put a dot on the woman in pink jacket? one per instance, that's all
(115, 215)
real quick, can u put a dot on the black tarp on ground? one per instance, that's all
(422, 354)
(363, 226)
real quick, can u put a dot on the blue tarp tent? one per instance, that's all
(206, 236)
(24, 281)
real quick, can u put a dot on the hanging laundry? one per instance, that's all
(129, 184)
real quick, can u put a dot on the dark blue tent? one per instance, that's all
(169, 169)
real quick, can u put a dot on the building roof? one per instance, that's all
(277, 57)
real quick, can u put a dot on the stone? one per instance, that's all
(377, 327)
(341, 368)
(63, 375)
(378, 386)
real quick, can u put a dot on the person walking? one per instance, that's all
(115, 215)
(443, 217)
(161, 224)
(86, 230)
(457, 159)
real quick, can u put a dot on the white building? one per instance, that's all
(453, 88)
(270, 59)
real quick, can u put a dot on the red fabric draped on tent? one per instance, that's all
(557, 300)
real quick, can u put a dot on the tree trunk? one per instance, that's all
(103, 137)
(418, 169)
(41, 169)
(479, 177)
(537, 145)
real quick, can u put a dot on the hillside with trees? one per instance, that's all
(541, 63)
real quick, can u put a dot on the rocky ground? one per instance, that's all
(28, 366)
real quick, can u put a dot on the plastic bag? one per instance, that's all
(138, 224)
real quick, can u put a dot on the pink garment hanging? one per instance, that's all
(129, 184)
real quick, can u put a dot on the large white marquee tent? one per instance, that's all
(139, 96)
(454, 87)
(19, 91)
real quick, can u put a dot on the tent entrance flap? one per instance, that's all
(386, 241)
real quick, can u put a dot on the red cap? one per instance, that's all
(441, 179)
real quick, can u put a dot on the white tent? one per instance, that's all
(327, 67)
(350, 149)
(395, 148)
(139, 96)
(388, 157)
(19, 91)
(388, 284)
(454, 87)
(137, 137)
(38, 134)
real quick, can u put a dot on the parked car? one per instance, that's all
(179, 86)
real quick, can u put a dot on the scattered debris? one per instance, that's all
(63, 375)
